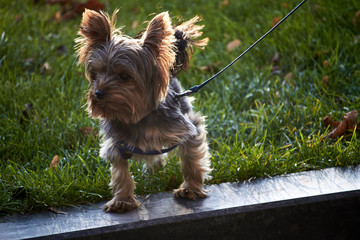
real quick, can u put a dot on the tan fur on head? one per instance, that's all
(96, 28)
(159, 40)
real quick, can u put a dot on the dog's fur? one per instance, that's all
(133, 88)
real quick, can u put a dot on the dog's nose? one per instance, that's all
(99, 94)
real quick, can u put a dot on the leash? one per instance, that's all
(198, 87)
(126, 150)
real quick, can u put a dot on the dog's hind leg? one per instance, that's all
(195, 162)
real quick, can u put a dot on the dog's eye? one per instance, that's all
(124, 77)
(93, 75)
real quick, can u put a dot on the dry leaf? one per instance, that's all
(325, 80)
(325, 63)
(212, 67)
(233, 44)
(134, 24)
(224, 3)
(288, 76)
(45, 68)
(276, 20)
(54, 162)
(317, 9)
(328, 121)
(356, 19)
(136, 10)
(17, 18)
(86, 132)
(57, 211)
(57, 16)
(90, 4)
(285, 5)
(320, 53)
(226, 36)
(347, 123)
(71, 8)
(275, 58)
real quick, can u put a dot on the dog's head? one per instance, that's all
(128, 77)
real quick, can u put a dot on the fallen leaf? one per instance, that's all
(226, 36)
(71, 8)
(54, 162)
(320, 53)
(276, 20)
(288, 76)
(328, 121)
(45, 68)
(212, 67)
(275, 58)
(17, 18)
(285, 5)
(325, 63)
(57, 211)
(86, 132)
(325, 80)
(317, 9)
(136, 10)
(134, 24)
(356, 19)
(347, 123)
(224, 3)
(233, 44)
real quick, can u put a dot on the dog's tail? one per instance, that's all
(186, 35)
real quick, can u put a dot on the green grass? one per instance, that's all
(260, 124)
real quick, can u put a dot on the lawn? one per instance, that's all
(264, 114)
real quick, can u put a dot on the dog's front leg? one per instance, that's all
(123, 187)
(195, 167)
(122, 184)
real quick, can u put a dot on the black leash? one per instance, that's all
(198, 87)
(126, 150)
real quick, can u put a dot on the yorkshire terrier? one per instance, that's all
(133, 93)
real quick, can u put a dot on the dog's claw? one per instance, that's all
(189, 194)
(121, 205)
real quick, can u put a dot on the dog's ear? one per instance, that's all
(96, 28)
(159, 39)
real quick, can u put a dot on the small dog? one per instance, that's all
(133, 93)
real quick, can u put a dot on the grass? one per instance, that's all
(260, 124)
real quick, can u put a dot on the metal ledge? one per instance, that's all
(322, 204)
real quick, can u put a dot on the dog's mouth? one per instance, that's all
(119, 108)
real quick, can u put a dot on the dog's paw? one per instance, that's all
(189, 194)
(121, 205)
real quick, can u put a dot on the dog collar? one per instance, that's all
(127, 151)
